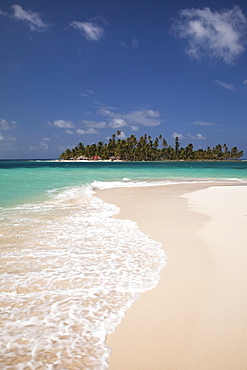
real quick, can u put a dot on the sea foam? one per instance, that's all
(69, 271)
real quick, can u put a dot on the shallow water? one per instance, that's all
(69, 270)
(29, 181)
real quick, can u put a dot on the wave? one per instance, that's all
(69, 272)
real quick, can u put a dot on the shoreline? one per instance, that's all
(193, 318)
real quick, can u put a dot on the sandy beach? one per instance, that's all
(196, 317)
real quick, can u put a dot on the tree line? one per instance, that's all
(147, 149)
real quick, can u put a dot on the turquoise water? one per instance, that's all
(24, 181)
(68, 269)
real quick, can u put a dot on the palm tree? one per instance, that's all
(119, 133)
(177, 145)
(234, 152)
(147, 149)
(81, 149)
(66, 155)
(189, 151)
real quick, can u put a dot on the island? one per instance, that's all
(147, 149)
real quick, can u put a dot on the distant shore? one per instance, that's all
(90, 160)
(164, 160)
(196, 316)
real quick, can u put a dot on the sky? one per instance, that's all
(80, 70)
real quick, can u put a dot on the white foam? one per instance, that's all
(69, 271)
(128, 183)
(96, 185)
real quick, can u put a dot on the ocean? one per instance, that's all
(69, 269)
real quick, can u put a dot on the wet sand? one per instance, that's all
(196, 317)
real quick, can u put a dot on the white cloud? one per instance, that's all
(3, 13)
(117, 123)
(60, 123)
(94, 124)
(125, 45)
(44, 145)
(225, 85)
(152, 113)
(134, 128)
(33, 19)
(69, 132)
(197, 137)
(245, 82)
(88, 131)
(5, 125)
(180, 136)
(91, 30)
(121, 136)
(203, 123)
(86, 94)
(82, 94)
(218, 35)
(6, 141)
(194, 137)
(142, 117)
(105, 112)
(134, 44)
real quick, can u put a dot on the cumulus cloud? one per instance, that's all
(117, 123)
(94, 124)
(105, 112)
(88, 131)
(145, 117)
(134, 128)
(5, 125)
(60, 123)
(90, 30)
(152, 113)
(225, 85)
(88, 126)
(33, 19)
(214, 34)
(133, 120)
(197, 137)
(180, 136)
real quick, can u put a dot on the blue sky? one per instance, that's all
(80, 70)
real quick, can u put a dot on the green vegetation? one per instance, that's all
(147, 149)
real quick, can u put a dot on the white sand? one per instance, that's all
(196, 317)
